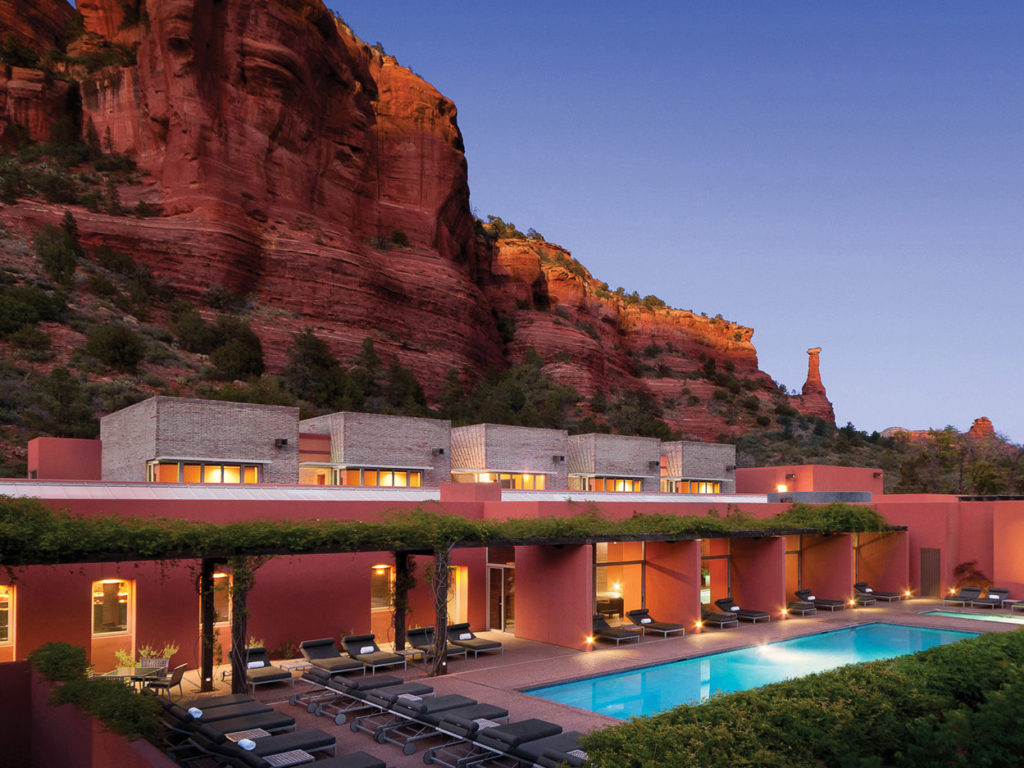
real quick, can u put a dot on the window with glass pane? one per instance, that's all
(380, 587)
(252, 475)
(232, 474)
(192, 473)
(5, 614)
(369, 477)
(110, 606)
(167, 473)
(221, 598)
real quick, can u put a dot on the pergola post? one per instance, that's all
(207, 614)
(403, 582)
(438, 663)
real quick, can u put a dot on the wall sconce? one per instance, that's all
(437, 452)
(280, 442)
(877, 474)
(730, 467)
(558, 458)
(790, 475)
(781, 487)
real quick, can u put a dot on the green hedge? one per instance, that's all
(113, 703)
(954, 705)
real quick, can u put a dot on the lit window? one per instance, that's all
(232, 474)
(222, 598)
(212, 473)
(110, 600)
(252, 475)
(381, 577)
(167, 473)
(192, 473)
(6, 598)
(386, 479)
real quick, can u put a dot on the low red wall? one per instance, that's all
(759, 574)
(15, 714)
(554, 594)
(65, 458)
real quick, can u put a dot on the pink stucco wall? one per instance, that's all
(759, 574)
(1008, 546)
(884, 561)
(554, 594)
(809, 477)
(673, 582)
(827, 566)
(64, 458)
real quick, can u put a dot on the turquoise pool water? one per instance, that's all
(1000, 618)
(654, 689)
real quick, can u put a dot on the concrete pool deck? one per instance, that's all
(498, 679)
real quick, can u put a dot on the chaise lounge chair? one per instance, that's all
(605, 631)
(323, 655)
(719, 619)
(362, 648)
(519, 742)
(211, 742)
(362, 694)
(183, 722)
(861, 588)
(743, 614)
(259, 670)
(642, 618)
(801, 608)
(461, 635)
(807, 596)
(964, 596)
(994, 598)
(422, 639)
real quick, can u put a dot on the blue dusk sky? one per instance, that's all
(843, 175)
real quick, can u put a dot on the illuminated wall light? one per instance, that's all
(616, 587)
(781, 488)
(906, 593)
(700, 624)
(853, 603)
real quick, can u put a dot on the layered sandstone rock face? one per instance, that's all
(295, 164)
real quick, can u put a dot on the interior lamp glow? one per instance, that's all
(616, 587)
(781, 488)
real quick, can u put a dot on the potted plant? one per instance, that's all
(156, 656)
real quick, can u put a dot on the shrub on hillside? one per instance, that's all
(241, 354)
(57, 252)
(115, 346)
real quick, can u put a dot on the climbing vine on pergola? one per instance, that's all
(33, 534)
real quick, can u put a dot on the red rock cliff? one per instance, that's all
(295, 164)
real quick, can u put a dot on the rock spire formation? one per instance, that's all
(813, 395)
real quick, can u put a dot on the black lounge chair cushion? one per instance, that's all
(508, 737)
(362, 684)
(352, 760)
(336, 664)
(387, 696)
(554, 751)
(461, 635)
(432, 705)
(603, 629)
(228, 711)
(268, 721)
(717, 617)
(471, 713)
(422, 639)
(267, 675)
(358, 647)
(318, 649)
(862, 586)
(286, 742)
(642, 618)
(216, 701)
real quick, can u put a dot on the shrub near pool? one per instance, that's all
(952, 705)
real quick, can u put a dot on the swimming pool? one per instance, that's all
(654, 689)
(998, 617)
